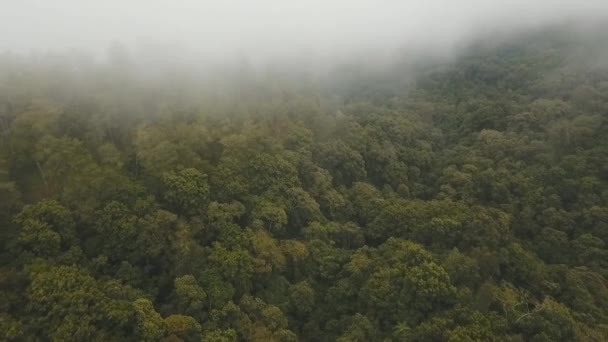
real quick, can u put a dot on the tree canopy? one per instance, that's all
(456, 201)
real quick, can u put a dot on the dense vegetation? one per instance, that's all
(468, 202)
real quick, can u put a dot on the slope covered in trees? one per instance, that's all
(467, 201)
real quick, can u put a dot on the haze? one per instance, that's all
(270, 29)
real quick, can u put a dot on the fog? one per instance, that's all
(271, 30)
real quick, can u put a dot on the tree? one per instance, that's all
(150, 325)
(60, 296)
(47, 228)
(10, 201)
(268, 252)
(345, 164)
(467, 201)
(184, 328)
(62, 161)
(189, 297)
(185, 192)
(401, 281)
(270, 216)
(11, 329)
(302, 298)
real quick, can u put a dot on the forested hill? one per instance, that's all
(462, 200)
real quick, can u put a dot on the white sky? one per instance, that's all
(269, 28)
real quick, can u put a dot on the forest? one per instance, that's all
(454, 199)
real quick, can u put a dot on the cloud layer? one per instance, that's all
(271, 28)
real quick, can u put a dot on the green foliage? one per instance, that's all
(345, 164)
(185, 191)
(184, 328)
(407, 286)
(469, 203)
(10, 201)
(150, 325)
(189, 296)
(12, 329)
(72, 303)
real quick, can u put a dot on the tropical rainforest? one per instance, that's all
(441, 199)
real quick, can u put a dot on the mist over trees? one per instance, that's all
(431, 197)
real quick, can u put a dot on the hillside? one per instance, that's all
(464, 199)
